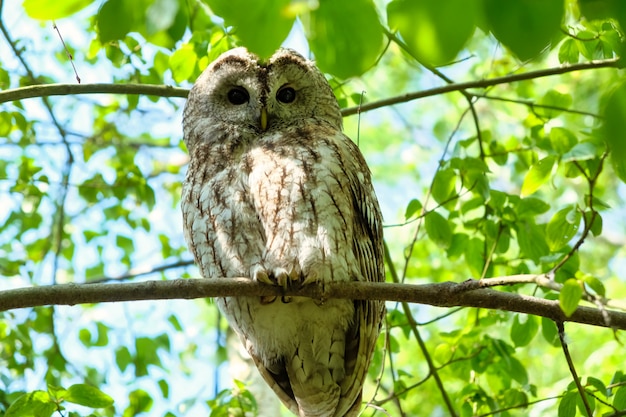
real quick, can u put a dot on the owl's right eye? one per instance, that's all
(238, 95)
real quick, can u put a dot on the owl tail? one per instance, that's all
(313, 385)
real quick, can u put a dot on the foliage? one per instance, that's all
(522, 176)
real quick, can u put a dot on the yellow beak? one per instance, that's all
(263, 118)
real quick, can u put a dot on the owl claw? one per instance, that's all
(260, 275)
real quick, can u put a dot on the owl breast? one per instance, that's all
(279, 214)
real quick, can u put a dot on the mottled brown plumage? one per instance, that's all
(277, 193)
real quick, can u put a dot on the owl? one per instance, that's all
(276, 193)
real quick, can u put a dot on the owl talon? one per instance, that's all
(260, 275)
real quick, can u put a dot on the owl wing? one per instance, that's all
(368, 249)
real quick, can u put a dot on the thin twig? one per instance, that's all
(572, 368)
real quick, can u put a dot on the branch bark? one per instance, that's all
(446, 294)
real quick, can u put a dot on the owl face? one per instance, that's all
(239, 91)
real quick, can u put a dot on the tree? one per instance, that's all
(494, 131)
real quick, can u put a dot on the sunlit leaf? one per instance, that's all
(345, 36)
(562, 227)
(570, 296)
(434, 30)
(36, 403)
(619, 400)
(567, 405)
(412, 208)
(52, 10)
(526, 27)
(615, 129)
(538, 175)
(438, 229)
(88, 396)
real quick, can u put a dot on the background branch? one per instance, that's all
(445, 294)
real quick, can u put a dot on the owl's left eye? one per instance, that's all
(286, 95)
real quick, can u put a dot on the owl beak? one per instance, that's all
(263, 118)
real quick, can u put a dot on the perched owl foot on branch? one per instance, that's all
(278, 277)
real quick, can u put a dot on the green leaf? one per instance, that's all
(570, 296)
(581, 152)
(183, 63)
(538, 175)
(562, 140)
(567, 406)
(32, 404)
(550, 332)
(140, 402)
(438, 229)
(434, 30)
(114, 20)
(568, 52)
(522, 333)
(615, 128)
(263, 26)
(345, 36)
(526, 27)
(88, 396)
(619, 400)
(444, 185)
(562, 227)
(532, 241)
(412, 208)
(595, 284)
(123, 358)
(475, 256)
(552, 99)
(52, 10)
(531, 207)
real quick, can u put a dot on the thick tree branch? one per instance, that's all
(44, 90)
(446, 294)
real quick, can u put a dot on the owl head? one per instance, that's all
(239, 92)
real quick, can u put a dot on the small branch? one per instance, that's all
(572, 369)
(45, 90)
(137, 272)
(607, 63)
(445, 294)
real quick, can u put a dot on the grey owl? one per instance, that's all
(275, 192)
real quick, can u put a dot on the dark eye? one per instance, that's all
(238, 95)
(286, 95)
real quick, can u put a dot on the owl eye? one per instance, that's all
(286, 95)
(238, 95)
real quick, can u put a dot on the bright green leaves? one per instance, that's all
(345, 36)
(570, 295)
(260, 25)
(562, 227)
(538, 175)
(43, 404)
(233, 402)
(438, 229)
(36, 403)
(162, 22)
(88, 396)
(526, 27)
(615, 129)
(51, 10)
(524, 329)
(434, 30)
